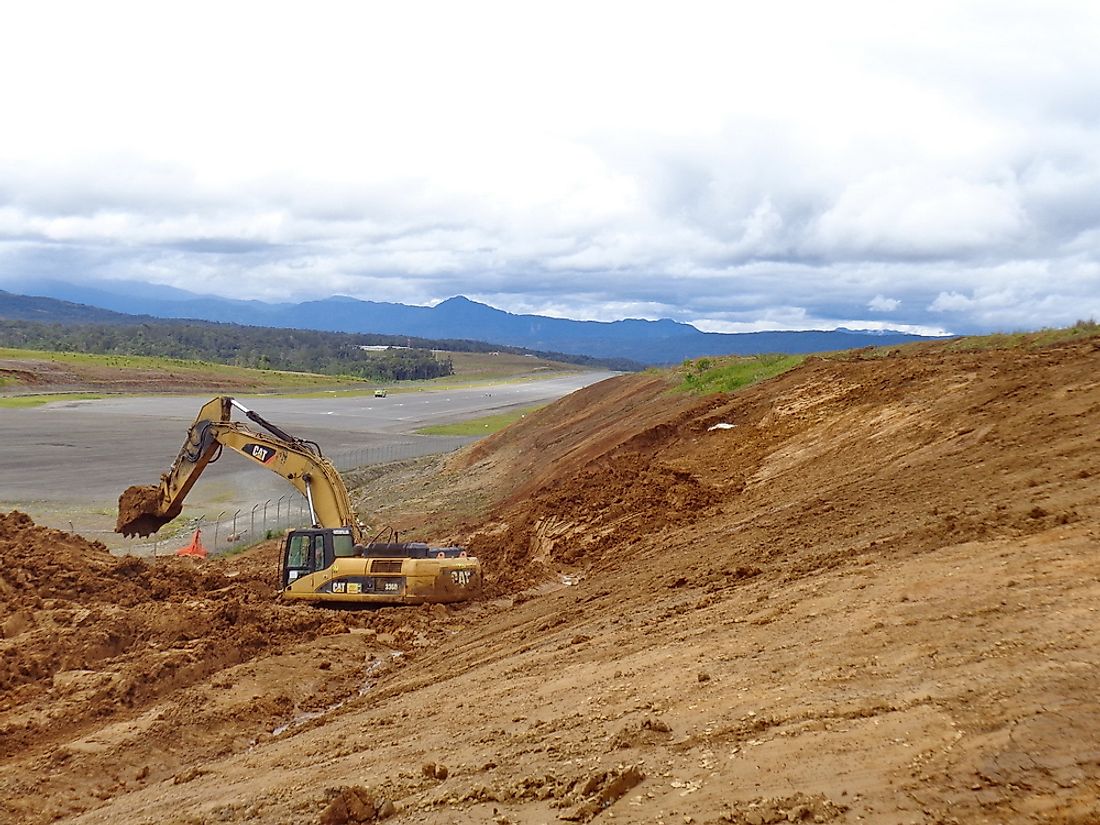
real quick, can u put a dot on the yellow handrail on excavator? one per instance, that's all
(327, 562)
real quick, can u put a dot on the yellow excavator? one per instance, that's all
(329, 562)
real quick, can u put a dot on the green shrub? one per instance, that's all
(705, 376)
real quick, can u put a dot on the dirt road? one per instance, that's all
(872, 598)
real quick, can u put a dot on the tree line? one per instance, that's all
(327, 353)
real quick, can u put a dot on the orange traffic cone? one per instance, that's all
(195, 548)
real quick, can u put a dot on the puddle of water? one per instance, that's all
(302, 718)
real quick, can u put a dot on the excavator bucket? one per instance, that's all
(139, 511)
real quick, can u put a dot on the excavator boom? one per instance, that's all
(144, 510)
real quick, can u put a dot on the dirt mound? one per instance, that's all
(89, 638)
(555, 442)
(118, 633)
(21, 376)
(41, 563)
(906, 452)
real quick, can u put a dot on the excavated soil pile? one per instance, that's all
(40, 563)
(89, 635)
(89, 638)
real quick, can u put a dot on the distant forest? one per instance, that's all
(327, 353)
(258, 347)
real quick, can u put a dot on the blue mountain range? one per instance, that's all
(648, 342)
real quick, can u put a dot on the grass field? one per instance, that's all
(67, 371)
(485, 366)
(487, 425)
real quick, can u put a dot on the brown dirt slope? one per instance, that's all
(836, 458)
(555, 441)
(872, 599)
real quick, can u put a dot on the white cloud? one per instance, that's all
(911, 212)
(880, 303)
(799, 321)
(792, 163)
(1023, 295)
(951, 302)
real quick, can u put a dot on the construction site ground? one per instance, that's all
(864, 591)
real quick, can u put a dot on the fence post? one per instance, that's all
(252, 520)
(264, 528)
(217, 527)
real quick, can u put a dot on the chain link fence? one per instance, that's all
(349, 459)
(227, 531)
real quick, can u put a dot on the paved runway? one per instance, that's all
(70, 460)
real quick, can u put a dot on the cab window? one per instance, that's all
(343, 545)
(317, 557)
(298, 554)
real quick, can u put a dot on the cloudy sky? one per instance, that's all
(783, 165)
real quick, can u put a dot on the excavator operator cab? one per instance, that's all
(307, 551)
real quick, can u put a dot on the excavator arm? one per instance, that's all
(144, 510)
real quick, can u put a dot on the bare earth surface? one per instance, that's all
(873, 598)
(40, 375)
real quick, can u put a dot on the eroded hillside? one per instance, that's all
(869, 595)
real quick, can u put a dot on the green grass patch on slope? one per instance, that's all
(705, 376)
(1027, 340)
(486, 425)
